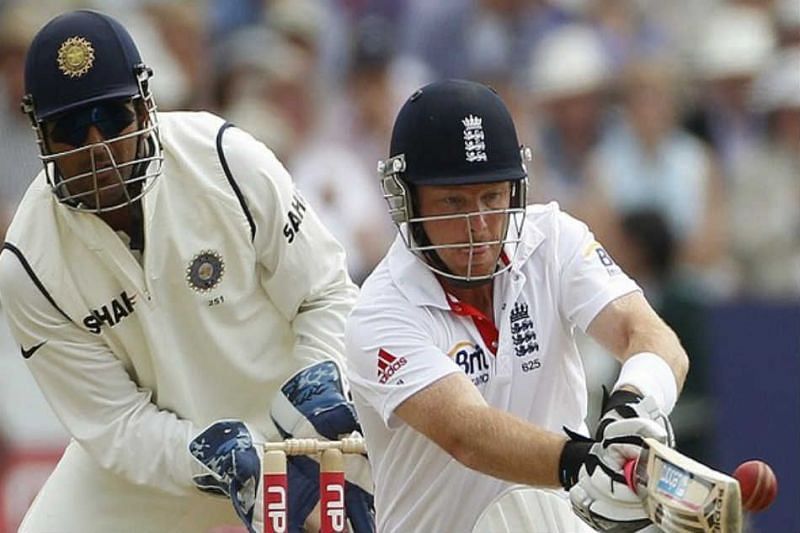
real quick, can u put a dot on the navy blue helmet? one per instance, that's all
(431, 132)
(78, 58)
(83, 69)
(452, 132)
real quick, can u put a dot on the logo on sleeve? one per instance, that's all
(297, 211)
(605, 259)
(27, 354)
(388, 365)
(472, 360)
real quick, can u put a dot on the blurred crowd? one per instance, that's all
(672, 128)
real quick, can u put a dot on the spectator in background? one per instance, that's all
(172, 83)
(568, 77)
(300, 23)
(786, 15)
(733, 46)
(484, 32)
(626, 27)
(336, 171)
(357, 115)
(181, 27)
(647, 161)
(18, 25)
(227, 16)
(268, 75)
(254, 65)
(648, 252)
(765, 188)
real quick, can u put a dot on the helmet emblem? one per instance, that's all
(205, 271)
(474, 145)
(75, 57)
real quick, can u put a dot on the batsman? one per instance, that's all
(176, 299)
(461, 347)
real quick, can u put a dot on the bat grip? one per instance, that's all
(629, 470)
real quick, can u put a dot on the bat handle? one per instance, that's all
(630, 474)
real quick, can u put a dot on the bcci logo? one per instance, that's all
(474, 144)
(75, 57)
(205, 271)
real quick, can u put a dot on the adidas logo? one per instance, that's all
(388, 365)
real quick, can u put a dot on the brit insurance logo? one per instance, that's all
(472, 360)
(388, 365)
(596, 249)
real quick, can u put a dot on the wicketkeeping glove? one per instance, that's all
(313, 404)
(225, 449)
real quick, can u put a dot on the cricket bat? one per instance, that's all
(681, 495)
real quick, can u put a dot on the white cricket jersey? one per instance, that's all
(239, 286)
(405, 333)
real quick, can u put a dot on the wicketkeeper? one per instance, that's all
(176, 299)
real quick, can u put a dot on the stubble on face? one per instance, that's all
(103, 181)
(477, 224)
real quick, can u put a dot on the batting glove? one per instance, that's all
(631, 417)
(601, 496)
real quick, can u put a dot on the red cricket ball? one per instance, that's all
(758, 484)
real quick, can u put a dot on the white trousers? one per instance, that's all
(81, 497)
(527, 510)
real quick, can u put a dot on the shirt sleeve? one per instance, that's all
(304, 269)
(589, 278)
(91, 392)
(391, 355)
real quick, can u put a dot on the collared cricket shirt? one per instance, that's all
(239, 286)
(406, 333)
